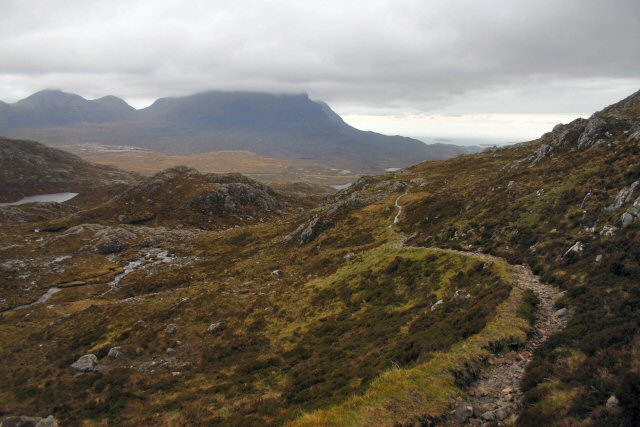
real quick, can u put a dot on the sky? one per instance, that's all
(494, 69)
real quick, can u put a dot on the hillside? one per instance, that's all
(183, 197)
(499, 287)
(29, 168)
(279, 126)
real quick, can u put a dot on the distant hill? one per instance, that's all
(28, 168)
(280, 126)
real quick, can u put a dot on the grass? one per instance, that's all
(412, 395)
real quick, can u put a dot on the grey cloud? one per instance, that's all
(374, 56)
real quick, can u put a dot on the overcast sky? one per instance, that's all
(505, 69)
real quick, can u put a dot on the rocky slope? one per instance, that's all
(279, 126)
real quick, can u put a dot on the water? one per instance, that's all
(342, 186)
(152, 257)
(53, 197)
(392, 169)
(44, 298)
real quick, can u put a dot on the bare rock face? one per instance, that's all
(623, 196)
(86, 363)
(595, 130)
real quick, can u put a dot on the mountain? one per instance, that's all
(50, 108)
(280, 126)
(29, 168)
(499, 288)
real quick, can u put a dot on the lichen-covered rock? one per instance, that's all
(632, 214)
(311, 229)
(115, 353)
(595, 129)
(86, 363)
(623, 196)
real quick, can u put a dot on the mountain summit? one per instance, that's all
(275, 125)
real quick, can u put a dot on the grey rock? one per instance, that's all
(632, 214)
(214, 327)
(540, 154)
(598, 257)
(349, 255)
(171, 329)
(420, 182)
(563, 136)
(115, 353)
(463, 413)
(612, 402)
(595, 130)
(577, 247)
(623, 196)
(113, 240)
(501, 414)
(488, 416)
(608, 230)
(312, 229)
(634, 136)
(86, 363)
(436, 304)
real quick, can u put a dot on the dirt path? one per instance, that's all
(496, 398)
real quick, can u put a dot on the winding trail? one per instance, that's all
(495, 398)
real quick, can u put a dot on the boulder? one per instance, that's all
(86, 363)
(113, 240)
(115, 353)
(562, 312)
(463, 412)
(214, 327)
(612, 402)
(632, 214)
(171, 329)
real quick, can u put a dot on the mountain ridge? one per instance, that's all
(277, 125)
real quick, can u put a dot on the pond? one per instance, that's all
(53, 197)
